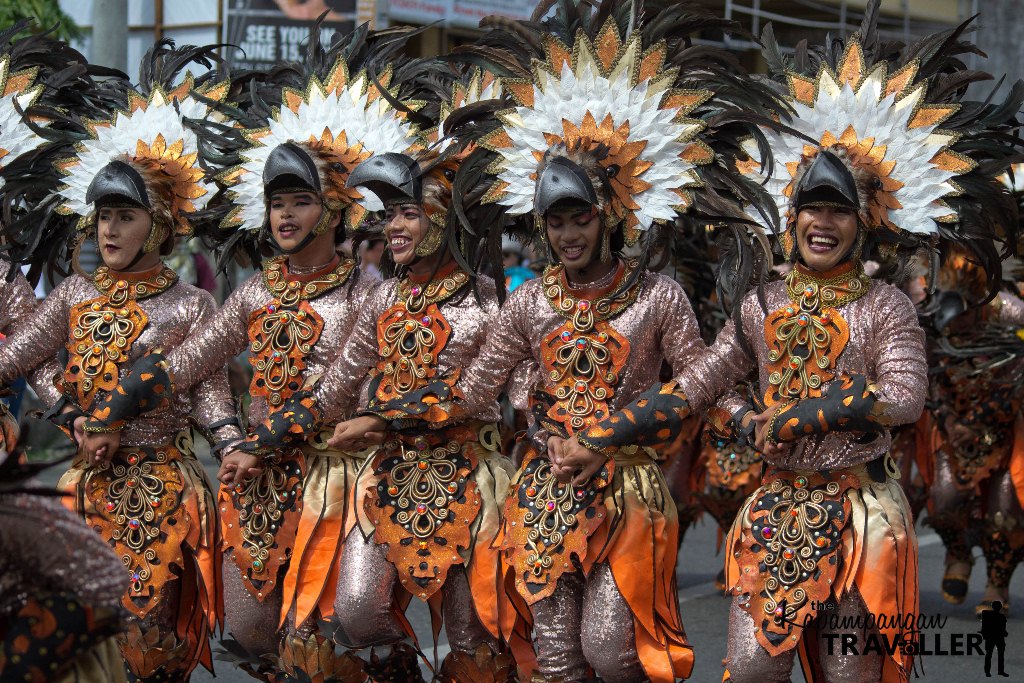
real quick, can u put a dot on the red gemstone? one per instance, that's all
(421, 508)
(566, 336)
(551, 505)
(132, 459)
(110, 507)
(583, 305)
(766, 532)
(392, 490)
(531, 491)
(133, 523)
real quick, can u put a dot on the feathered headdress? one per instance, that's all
(622, 105)
(34, 72)
(922, 160)
(107, 138)
(334, 110)
(150, 138)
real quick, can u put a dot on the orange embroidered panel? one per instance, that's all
(548, 523)
(583, 357)
(788, 556)
(102, 336)
(806, 337)
(136, 503)
(424, 505)
(104, 329)
(279, 339)
(409, 343)
(258, 520)
(583, 369)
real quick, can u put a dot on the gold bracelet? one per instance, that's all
(103, 430)
(775, 416)
(606, 451)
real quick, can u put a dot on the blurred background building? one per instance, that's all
(269, 31)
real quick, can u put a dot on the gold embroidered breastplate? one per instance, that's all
(584, 356)
(283, 332)
(806, 337)
(104, 329)
(412, 333)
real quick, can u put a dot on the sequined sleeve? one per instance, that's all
(506, 346)
(681, 342)
(17, 301)
(210, 346)
(1010, 309)
(338, 389)
(718, 368)
(900, 382)
(212, 402)
(40, 338)
(42, 381)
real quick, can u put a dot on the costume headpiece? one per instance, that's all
(885, 125)
(619, 110)
(427, 177)
(602, 122)
(144, 155)
(333, 111)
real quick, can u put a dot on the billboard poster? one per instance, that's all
(468, 13)
(268, 32)
(458, 13)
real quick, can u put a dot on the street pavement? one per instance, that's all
(705, 614)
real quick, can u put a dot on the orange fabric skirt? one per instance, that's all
(865, 535)
(155, 508)
(325, 521)
(463, 467)
(629, 523)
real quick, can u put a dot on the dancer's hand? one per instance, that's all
(238, 467)
(358, 433)
(556, 446)
(579, 460)
(78, 429)
(761, 442)
(99, 447)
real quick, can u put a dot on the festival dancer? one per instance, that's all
(58, 578)
(427, 503)
(978, 421)
(285, 516)
(607, 138)
(132, 181)
(840, 357)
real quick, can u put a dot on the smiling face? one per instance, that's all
(121, 234)
(825, 235)
(405, 226)
(574, 236)
(293, 216)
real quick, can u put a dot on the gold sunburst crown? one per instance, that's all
(151, 136)
(341, 120)
(887, 132)
(612, 94)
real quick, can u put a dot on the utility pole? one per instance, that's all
(110, 33)
(110, 49)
